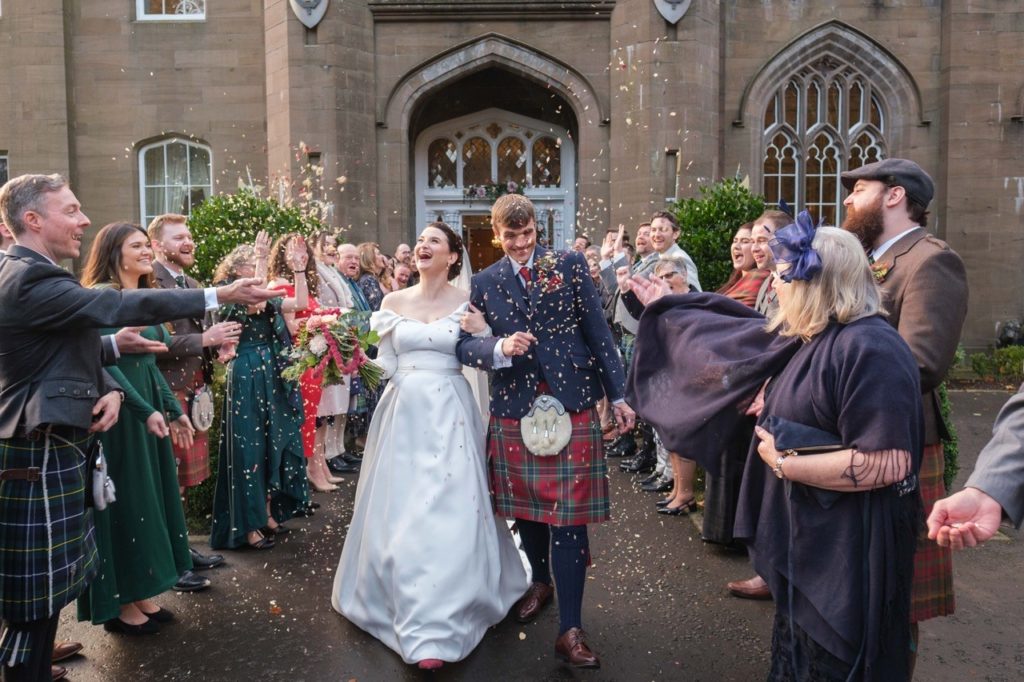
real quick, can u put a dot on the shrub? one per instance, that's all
(1001, 364)
(709, 223)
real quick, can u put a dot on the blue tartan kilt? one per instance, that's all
(47, 543)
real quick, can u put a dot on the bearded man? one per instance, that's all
(924, 285)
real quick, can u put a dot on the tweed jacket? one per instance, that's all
(574, 353)
(924, 287)
(1000, 468)
(185, 353)
(334, 292)
(50, 350)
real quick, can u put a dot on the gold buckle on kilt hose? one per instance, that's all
(547, 427)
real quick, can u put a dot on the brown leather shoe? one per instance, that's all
(58, 672)
(65, 650)
(533, 601)
(754, 588)
(572, 648)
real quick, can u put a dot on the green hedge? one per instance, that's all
(709, 223)
(1001, 364)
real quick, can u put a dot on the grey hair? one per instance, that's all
(674, 265)
(25, 193)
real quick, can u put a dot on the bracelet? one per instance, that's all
(778, 464)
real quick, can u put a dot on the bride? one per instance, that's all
(426, 566)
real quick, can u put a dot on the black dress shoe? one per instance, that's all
(659, 485)
(161, 616)
(190, 582)
(350, 458)
(201, 561)
(642, 462)
(623, 446)
(150, 627)
(280, 529)
(340, 466)
(650, 479)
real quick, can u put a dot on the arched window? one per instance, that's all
(547, 162)
(442, 167)
(174, 176)
(823, 119)
(476, 162)
(512, 161)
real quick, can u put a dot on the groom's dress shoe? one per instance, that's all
(572, 648)
(337, 465)
(755, 588)
(533, 601)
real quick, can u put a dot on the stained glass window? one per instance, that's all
(512, 161)
(547, 162)
(442, 167)
(476, 162)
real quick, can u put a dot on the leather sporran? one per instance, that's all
(547, 427)
(200, 408)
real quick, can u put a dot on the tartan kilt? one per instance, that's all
(193, 462)
(932, 590)
(45, 566)
(568, 489)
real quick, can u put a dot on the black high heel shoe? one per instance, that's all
(682, 510)
(663, 502)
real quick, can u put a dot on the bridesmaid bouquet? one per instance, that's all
(333, 346)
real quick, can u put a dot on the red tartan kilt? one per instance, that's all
(568, 489)
(193, 462)
(932, 590)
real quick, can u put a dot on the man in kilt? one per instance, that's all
(924, 287)
(549, 337)
(54, 396)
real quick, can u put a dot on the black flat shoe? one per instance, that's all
(314, 505)
(202, 561)
(682, 510)
(161, 616)
(190, 582)
(150, 627)
(280, 529)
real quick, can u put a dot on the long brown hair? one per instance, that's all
(104, 263)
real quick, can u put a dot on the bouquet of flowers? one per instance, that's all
(333, 345)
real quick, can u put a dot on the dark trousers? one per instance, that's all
(41, 634)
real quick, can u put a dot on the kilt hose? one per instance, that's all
(47, 543)
(193, 462)
(567, 489)
(932, 590)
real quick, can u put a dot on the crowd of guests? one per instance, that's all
(804, 388)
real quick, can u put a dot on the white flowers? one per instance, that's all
(318, 345)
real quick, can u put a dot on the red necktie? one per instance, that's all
(524, 272)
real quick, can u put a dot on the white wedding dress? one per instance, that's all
(426, 566)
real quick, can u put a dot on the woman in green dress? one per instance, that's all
(141, 537)
(261, 475)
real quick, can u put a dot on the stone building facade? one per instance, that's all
(601, 109)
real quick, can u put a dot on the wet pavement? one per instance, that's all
(655, 608)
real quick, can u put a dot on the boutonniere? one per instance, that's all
(880, 270)
(548, 278)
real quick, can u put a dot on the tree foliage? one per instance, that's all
(708, 224)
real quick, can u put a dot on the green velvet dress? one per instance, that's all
(261, 451)
(142, 537)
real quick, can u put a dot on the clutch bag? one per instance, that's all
(801, 439)
(547, 427)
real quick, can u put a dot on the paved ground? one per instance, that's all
(655, 609)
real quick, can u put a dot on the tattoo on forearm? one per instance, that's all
(877, 469)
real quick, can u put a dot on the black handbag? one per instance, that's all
(800, 439)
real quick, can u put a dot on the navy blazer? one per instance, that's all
(575, 353)
(50, 352)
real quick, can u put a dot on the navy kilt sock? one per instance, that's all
(536, 544)
(570, 555)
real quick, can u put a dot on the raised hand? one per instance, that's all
(649, 290)
(129, 340)
(296, 254)
(261, 247)
(246, 291)
(608, 246)
(624, 278)
(221, 333)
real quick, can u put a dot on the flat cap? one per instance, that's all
(903, 172)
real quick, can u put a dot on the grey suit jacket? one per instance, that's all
(1000, 468)
(185, 353)
(50, 352)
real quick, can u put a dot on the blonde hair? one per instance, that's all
(368, 258)
(844, 290)
(227, 269)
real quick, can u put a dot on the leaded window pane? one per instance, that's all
(176, 176)
(771, 113)
(512, 161)
(547, 162)
(813, 93)
(876, 113)
(865, 149)
(442, 156)
(856, 97)
(476, 162)
(834, 99)
(792, 103)
(780, 169)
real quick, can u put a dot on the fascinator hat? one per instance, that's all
(792, 244)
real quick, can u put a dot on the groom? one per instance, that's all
(550, 337)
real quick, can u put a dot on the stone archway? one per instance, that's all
(396, 176)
